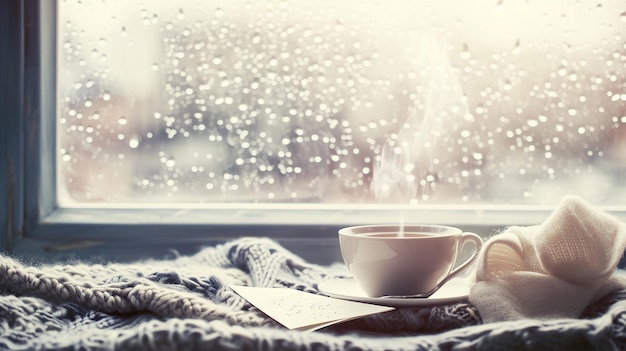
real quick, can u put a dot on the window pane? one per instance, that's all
(340, 102)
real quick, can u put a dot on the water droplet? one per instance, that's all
(122, 121)
(532, 122)
(339, 27)
(170, 162)
(133, 143)
(517, 48)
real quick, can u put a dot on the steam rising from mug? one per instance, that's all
(408, 163)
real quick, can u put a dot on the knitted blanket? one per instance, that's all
(185, 303)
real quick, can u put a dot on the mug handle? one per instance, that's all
(466, 238)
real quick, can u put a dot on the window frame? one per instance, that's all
(34, 225)
(11, 127)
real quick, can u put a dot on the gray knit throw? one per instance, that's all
(186, 304)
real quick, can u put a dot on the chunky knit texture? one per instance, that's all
(186, 304)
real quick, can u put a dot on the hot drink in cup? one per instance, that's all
(393, 260)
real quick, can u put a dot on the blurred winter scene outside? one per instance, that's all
(341, 102)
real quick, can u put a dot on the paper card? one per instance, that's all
(305, 311)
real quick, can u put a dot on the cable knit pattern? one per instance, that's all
(186, 303)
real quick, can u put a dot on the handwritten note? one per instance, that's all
(299, 310)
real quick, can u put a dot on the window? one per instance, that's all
(327, 102)
(183, 115)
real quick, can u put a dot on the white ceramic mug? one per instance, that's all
(393, 260)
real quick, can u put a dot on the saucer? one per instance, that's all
(347, 289)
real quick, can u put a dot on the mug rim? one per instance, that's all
(377, 228)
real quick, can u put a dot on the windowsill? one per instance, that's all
(320, 250)
(310, 231)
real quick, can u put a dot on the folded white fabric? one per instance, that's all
(551, 270)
